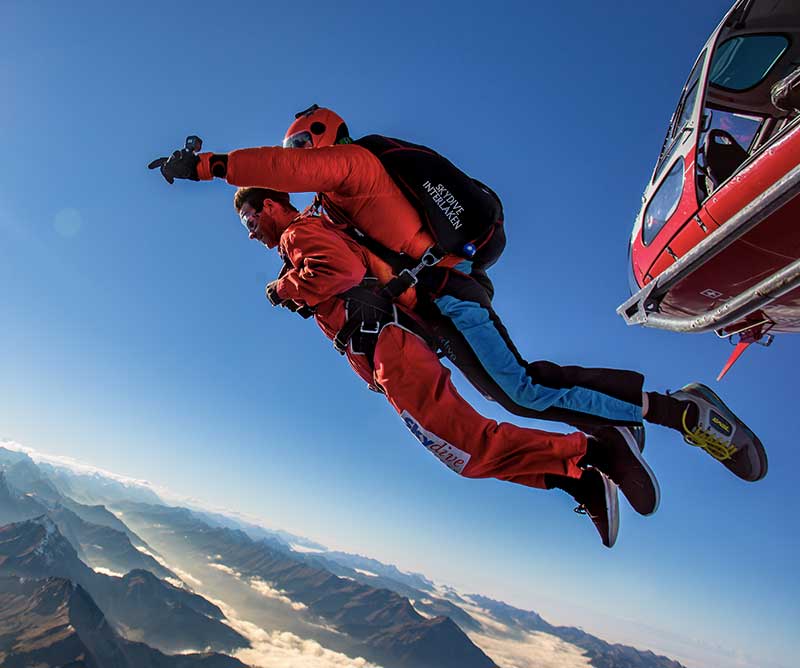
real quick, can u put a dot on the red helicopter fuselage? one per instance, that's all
(716, 243)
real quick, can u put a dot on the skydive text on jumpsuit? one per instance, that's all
(448, 454)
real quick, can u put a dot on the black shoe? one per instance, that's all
(598, 498)
(636, 432)
(615, 451)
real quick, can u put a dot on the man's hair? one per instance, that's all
(255, 197)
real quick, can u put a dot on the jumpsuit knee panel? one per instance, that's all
(419, 388)
(478, 343)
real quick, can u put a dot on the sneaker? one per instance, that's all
(615, 451)
(721, 434)
(635, 432)
(598, 499)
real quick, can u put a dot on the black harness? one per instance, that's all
(367, 311)
(369, 307)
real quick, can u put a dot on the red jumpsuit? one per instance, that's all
(326, 262)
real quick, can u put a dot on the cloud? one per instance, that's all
(363, 572)
(186, 577)
(282, 648)
(418, 611)
(514, 648)
(226, 569)
(532, 649)
(261, 586)
(265, 589)
(302, 548)
(107, 571)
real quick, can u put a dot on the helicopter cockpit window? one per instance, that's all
(663, 203)
(682, 116)
(742, 62)
(723, 147)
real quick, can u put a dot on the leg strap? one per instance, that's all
(367, 313)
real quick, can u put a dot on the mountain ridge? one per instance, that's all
(54, 622)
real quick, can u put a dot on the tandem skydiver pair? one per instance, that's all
(386, 281)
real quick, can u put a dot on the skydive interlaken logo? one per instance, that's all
(449, 455)
(447, 202)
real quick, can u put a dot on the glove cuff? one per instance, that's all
(212, 165)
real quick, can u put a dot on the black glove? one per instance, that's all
(272, 294)
(301, 309)
(181, 164)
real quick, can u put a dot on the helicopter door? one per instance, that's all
(736, 99)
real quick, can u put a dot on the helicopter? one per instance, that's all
(715, 245)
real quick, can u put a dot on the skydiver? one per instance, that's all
(456, 305)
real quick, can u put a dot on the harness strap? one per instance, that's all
(396, 260)
(408, 277)
(402, 265)
(368, 312)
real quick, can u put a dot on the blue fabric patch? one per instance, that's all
(474, 323)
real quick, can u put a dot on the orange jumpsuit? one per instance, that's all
(326, 262)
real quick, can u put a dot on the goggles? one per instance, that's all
(250, 221)
(299, 140)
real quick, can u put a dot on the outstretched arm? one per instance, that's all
(346, 169)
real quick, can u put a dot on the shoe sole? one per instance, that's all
(612, 504)
(633, 446)
(709, 395)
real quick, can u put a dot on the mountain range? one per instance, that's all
(54, 622)
(97, 549)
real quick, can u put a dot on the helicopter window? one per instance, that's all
(663, 203)
(688, 106)
(723, 147)
(742, 62)
(741, 127)
(682, 116)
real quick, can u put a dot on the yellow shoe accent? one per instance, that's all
(708, 441)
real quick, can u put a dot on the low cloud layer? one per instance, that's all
(265, 589)
(258, 585)
(284, 649)
(302, 548)
(107, 571)
(226, 569)
(188, 578)
(512, 648)
(532, 649)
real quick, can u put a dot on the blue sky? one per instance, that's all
(135, 334)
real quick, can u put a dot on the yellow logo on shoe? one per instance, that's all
(721, 424)
(705, 440)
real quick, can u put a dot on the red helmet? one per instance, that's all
(316, 127)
